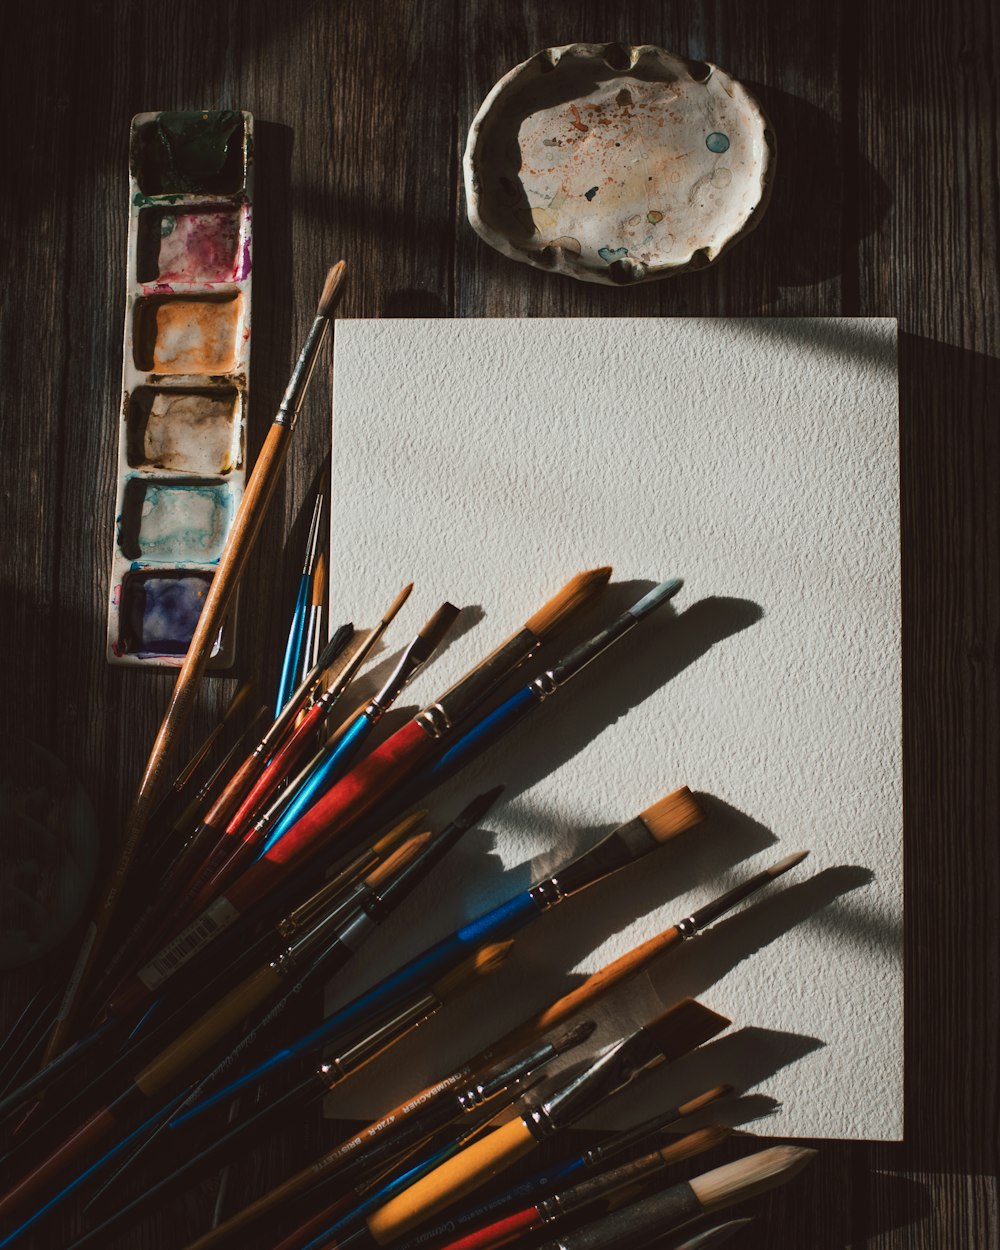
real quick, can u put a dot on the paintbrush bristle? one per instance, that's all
(319, 582)
(684, 1026)
(745, 1178)
(333, 288)
(578, 591)
(659, 594)
(397, 603)
(334, 647)
(439, 624)
(394, 863)
(399, 831)
(672, 814)
(703, 1100)
(484, 961)
(695, 1143)
(783, 865)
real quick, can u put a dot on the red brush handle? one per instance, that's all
(284, 760)
(499, 1233)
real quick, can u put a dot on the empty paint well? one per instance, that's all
(184, 431)
(193, 245)
(174, 520)
(159, 612)
(186, 334)
(191, 153)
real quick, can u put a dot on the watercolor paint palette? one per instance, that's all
(185, 371)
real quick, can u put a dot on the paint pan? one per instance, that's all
(182, 420)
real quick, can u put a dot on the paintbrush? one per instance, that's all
(206, 838)
(603, 1193)
(345, 746)
(655, 826)
(323, 944)
(292, 661)
(335, 758)
(542, 1184)
(349, 799)
(668, 1037)
(419, 1007)
(314, 627)
(246, 527)
(638, 1224)
(704, 1239)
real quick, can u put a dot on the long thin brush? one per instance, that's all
(292, 661)
(242, 538)
(356, 793)
(314, 626)
(657, 825)
(409, 1016)
(735, 1182)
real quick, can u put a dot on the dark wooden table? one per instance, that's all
(886, 203)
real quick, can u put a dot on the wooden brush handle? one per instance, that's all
(246, 527)
(456, 1177)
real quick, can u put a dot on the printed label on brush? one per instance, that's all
(220, 915)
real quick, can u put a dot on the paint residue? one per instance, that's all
(160, 611)
(191, 153)
(168, 521)
(191, 245)
(186, 335)
(193, 432)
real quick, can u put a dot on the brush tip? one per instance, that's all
(397, 603)
(703, 1100)
(672, 814)
(438, 625)
(574, 1036)
(333, 288)
(333, 648)
(658, 595)
(478, 807)
(755, 1174)
(578, 591)
(685, 1026)
(789, 861)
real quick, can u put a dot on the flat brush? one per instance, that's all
(655, 826)
(608, 1190)
(400, 1023)
(247, 524)
(333, 761)
(474, 740)
(668, 1037)
(296, 633)
(477, 685)
(638, 1224)
(356, 793)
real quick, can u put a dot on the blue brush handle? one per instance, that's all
(483, 734)
(329, 769)
(293, 648)
(419, 973)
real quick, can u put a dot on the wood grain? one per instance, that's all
(886, 203)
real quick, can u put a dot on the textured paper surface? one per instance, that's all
(488, 461)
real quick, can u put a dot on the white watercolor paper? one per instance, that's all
(488, 461)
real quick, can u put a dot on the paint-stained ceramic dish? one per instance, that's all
(184, 378)
(615, 164)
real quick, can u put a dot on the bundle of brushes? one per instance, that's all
(273, 862)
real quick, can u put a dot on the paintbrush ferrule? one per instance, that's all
(610, 1072)
(438, 717)
(291, 402)
(379, 1038)
(547, 894)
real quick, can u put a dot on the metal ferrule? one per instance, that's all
(545, 684)
(283, 964)
(607, 1074)
(688, 927)
(412, 660)
(547, 893)
(329, 897)
(332, 926)
(496, 1081)
(471, 689)
(384, 1035)
(288, 409)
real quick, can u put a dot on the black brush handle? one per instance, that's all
(634, 1225)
